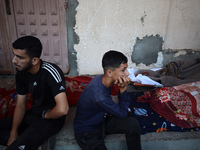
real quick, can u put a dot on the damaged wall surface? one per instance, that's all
(149, 33)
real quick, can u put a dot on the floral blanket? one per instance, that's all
(8, 102)
(74, 87)
(150, 120)
(180, 104)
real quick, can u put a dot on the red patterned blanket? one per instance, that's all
(74, 87)
(180, 104)
(8, 102)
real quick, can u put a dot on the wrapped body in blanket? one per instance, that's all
(176, 73)
(176, 106)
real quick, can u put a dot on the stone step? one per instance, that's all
(65, 140)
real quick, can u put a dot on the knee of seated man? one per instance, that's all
(133, 124)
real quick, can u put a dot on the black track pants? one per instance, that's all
(94, 140)
(32, 132)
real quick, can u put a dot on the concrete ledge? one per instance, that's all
(155, 141)
(64, 140)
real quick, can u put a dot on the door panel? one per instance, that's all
(5, 58)
(45, 19)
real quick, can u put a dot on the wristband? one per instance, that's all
(43, 114)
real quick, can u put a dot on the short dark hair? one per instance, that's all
(31, 44)
(113, 59)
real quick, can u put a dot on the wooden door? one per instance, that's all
(5, 57)
(45, 19)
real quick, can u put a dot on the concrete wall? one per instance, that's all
(150, 33)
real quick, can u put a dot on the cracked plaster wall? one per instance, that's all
(102, 25)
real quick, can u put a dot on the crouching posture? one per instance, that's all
(98, 115)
